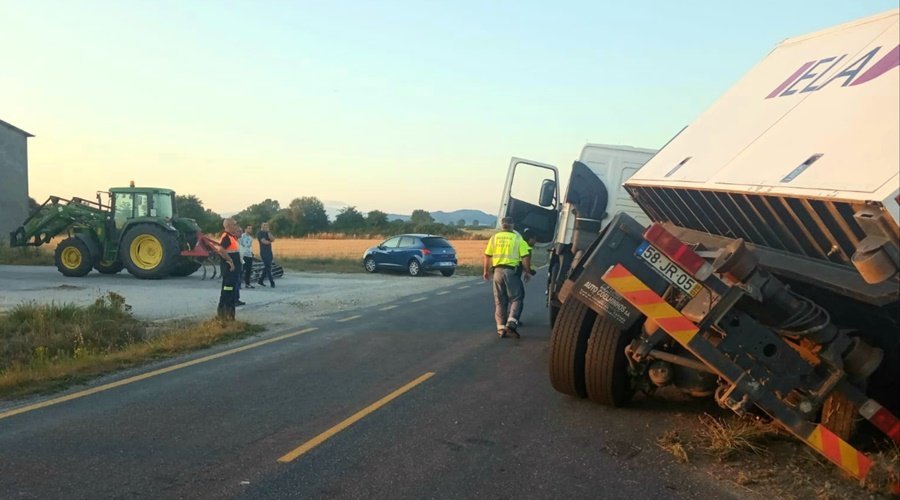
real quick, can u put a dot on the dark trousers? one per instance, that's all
(230, 281)
(248, 269)
(267, 271)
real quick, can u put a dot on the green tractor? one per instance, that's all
(136, 229)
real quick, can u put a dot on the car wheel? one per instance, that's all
(370, 265)
(414, 268)
(448, 272)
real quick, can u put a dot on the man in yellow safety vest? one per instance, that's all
(504, 252)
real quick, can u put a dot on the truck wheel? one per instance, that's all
(568, 344)
(185, 266)
(149, 251)
(839, 415)
(73, 258)
(606, 367)
(109, 267)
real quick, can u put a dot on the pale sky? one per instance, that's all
(392, 105)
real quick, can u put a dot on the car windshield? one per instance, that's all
(436, 242)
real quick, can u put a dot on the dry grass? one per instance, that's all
(46, 347)
(725, 438)
(885, 470)
(672, 442)
(26, 256)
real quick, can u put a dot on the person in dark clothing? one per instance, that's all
(229, 251)
(265, 239)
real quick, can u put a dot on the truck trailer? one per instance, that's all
(767, 277)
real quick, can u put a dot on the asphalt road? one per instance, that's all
(486, 424)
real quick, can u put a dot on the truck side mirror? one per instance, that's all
(548, 193)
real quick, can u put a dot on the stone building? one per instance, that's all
(13, 178)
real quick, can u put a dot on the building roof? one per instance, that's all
(17, 129)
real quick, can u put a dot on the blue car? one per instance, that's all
(413, 253)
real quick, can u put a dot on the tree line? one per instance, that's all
(306, 215)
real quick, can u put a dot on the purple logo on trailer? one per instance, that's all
(809, 74)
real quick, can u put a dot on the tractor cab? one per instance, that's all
(127, 203)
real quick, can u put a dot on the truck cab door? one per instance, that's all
(531, 197)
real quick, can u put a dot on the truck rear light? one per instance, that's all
(680, 253)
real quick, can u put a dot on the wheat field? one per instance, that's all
(468, 252)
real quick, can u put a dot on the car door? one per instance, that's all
(383, 253)
(531, 197)
(407, 250)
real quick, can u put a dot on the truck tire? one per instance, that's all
(839, 415)
(185, 266)
(73, 258)
(606, 367)
(109, 267)
(568, 344)
(149, 251)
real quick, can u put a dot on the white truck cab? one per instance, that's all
(568, 225)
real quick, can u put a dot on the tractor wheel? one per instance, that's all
(109, 267)
(568, 344)
(839, 415)
(606, 367)
(185, 266)
(149, 251)
(73, 258)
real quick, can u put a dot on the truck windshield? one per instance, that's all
(162, 203)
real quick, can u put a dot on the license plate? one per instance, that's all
(669, 270)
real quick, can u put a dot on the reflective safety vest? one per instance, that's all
(506, 249)
(233, 246)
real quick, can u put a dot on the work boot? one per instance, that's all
(511, 327)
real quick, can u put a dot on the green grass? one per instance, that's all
(25, 256)
(47, 347)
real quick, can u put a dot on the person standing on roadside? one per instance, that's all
(229, 251)
(503, 253)
(265, 239)
(246, 247)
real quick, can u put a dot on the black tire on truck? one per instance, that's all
(840, 415)
(149, 251)
(73, 257)
(186, 266)
(606, 366)
(568, 344)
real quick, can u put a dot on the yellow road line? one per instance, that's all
(388, 308)
(351, 318)
(321, 438)
(420, 299)
(445, 292)
(144, 376)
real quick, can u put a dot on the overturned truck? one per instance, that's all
(768, 276)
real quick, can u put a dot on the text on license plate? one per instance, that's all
(668, 269)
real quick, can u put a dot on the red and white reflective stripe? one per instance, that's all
(881, 418)
(680, 253)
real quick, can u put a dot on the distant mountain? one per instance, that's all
(468, 215)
